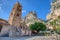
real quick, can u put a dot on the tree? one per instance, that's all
(37, 26)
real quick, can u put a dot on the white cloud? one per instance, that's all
(23, 11)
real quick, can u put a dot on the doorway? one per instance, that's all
(0, 27)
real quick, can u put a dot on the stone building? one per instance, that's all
(14, 26)
(15, 16)
(4, 27)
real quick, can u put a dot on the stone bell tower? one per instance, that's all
(15, 16)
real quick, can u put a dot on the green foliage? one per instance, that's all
(58, 17)
(38, 27)
(53, 23)
(57, 29)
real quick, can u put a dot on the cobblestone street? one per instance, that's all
(30, 38)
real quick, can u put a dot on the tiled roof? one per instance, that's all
(2, 21)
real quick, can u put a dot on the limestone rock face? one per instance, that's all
(31, 18)
(54, 14)
(55, 10)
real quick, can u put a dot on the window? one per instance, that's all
(17, 14)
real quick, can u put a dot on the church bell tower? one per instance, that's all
(15, 16)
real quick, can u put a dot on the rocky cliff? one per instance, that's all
(55, 10)
(31, 17)
(54, 15)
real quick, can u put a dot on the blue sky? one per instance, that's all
(42, 7)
